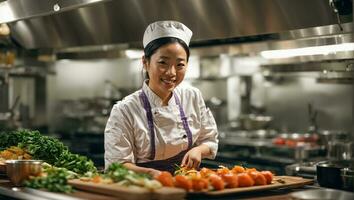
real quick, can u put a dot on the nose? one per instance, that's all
(171, 70)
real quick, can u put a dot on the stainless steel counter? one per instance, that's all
(8, 190)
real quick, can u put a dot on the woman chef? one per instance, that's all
(163, 124)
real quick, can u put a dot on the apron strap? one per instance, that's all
(150, 120)
(184, 121)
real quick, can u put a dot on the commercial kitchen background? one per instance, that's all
(71, 67)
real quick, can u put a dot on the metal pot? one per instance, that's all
(347, 175)
(20, 170)
(329, 173)
(322, 194)
(325, 136)
(255, 122)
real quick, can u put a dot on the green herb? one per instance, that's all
(49, 149)
(120, 174)
(55, 181)
(117, 172)
(75, 163)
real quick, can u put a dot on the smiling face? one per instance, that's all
(166, 68)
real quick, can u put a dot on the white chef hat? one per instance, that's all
(162, 29)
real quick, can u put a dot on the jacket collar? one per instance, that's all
(155, 101)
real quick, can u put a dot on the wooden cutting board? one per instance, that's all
(129, 193)
(167, 193)
(278, 182)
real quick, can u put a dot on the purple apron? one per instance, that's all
(170, 163)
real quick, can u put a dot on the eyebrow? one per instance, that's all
(179, 59)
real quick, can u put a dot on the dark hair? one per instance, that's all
(152, 47)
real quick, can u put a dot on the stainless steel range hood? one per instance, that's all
(59, 24)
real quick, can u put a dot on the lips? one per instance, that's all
(168, 81)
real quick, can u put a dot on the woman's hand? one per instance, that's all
(153, 172)
(193, 157)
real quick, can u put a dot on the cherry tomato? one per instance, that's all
(238, 169)
(165, 178)
(200, 184)
(205, 172)
(222, 171)
(217, 182)
(244, 180)
(258, 178)
(183, 182)
(230, 179)
(248, 170)
(268, 175)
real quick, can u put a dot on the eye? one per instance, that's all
(181, 65)
(162, 62)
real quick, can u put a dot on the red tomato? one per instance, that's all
(230, 179)
(268, 175)
(248, 170)
(205, 172)
(183, 182)
(165, 178)
(238, 169)
(200, 184)
(222, 171)
(291, 143)
(245, 180)
(258, 178)
(279, 141)
(217, 182)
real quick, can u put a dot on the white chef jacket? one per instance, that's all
(127, 135)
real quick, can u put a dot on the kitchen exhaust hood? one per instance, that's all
(65, 24)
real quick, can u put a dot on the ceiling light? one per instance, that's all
(307, 51)
(134, 54)
(6, 13)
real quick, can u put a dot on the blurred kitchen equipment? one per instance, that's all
(251, 134)
(8, 117)
(296, 139)
(111, 91)
(347, 175)
(20, 170)
(340, 150)
(326, 136)
(4, 92)
(312, 118)
(218, 107)
(322, 194)
(341, 7)
(305, 169)
(254, 122)
(262, 134)
(329, 173)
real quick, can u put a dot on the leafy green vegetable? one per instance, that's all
(49, 149)
(55, 181)
(75, 163)
(123, 176)
(117, 172)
